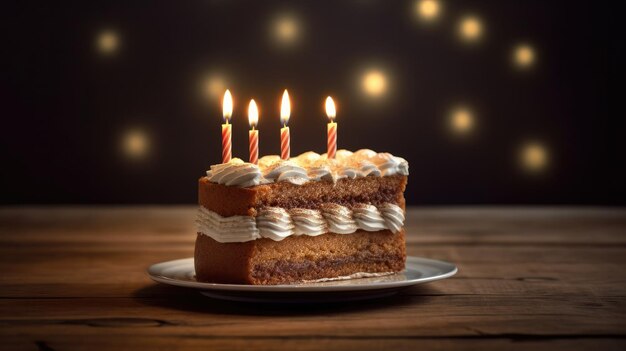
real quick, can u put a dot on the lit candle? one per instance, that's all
(253, 134)
(227, 110)
(332, 128)
(285, 111)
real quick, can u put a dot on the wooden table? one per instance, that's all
(529, 278)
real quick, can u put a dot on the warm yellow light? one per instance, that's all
(523, 55)
(253, 114)
(135, 144)
(331, 112)
(286, 29)
(285, 108)
(374, 83)
(461, 121)
(227, 106)
(107, 42)
(428, 9)
(470, 28)
(214, 86)
(534, 157)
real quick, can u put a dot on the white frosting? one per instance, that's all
(274, 223)
(308, 166)
(233, 229)
(277, 223)
(339, 219)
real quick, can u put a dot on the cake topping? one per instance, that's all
(309, 166)
(235, 173)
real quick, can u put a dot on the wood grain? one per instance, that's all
(529, 278)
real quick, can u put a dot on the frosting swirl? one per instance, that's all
(274, 223)
(368, 218)
(308, 166)
(236, 173)
(339, 218)
(308, 222)
(277, 223)
(233, 229)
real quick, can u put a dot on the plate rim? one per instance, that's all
(153, 273)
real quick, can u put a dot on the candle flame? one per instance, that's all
(330, 108)
(253, 114)
(227, 106)
(285, 108)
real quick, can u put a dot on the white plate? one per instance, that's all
(418, 270)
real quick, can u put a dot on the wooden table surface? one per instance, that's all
(529, 278)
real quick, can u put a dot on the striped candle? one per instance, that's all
(332, 128)
(226, 143)
(253, 134)
(284, 143)
(285, 112)
(332, 139)
(227, 111)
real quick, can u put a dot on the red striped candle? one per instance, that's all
(285, 112)
(285, 148)
(253, 134)
(226, 143)
(332, 128)
(227, 111)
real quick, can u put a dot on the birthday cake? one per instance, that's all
(308, 218)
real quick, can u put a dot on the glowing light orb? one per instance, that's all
(470, 28)
(214, 86)
(107, 42)
(374, 83)
(534, 157)
(461, 120)
(523, 55)
(428, 9)
(135, 144)
(286, 29)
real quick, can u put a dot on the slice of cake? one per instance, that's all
(305, 219)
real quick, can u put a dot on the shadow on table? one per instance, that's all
(191, 300)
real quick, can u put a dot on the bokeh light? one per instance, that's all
(461, 121)
(374, 83)
(523, 55)
(428, 10)
(135, 144)
(214, 86)
(107, 42)
(534, 157)
(470, 28)
(286, 29)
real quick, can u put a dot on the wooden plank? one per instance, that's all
(45, 340)
(403, 316)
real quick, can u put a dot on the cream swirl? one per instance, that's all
(287, 171)
(393, 215)
(235, 173)
(339, 218)
(277, 223)
(368, 217)
(274, 223)
(388, 164)
(308, 166)
(233, 229)
(308, 222)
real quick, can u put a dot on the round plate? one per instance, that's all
(418, 270)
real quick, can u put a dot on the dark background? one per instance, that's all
(67, 105)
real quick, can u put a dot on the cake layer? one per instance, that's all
(232, 201)
(299, 258)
